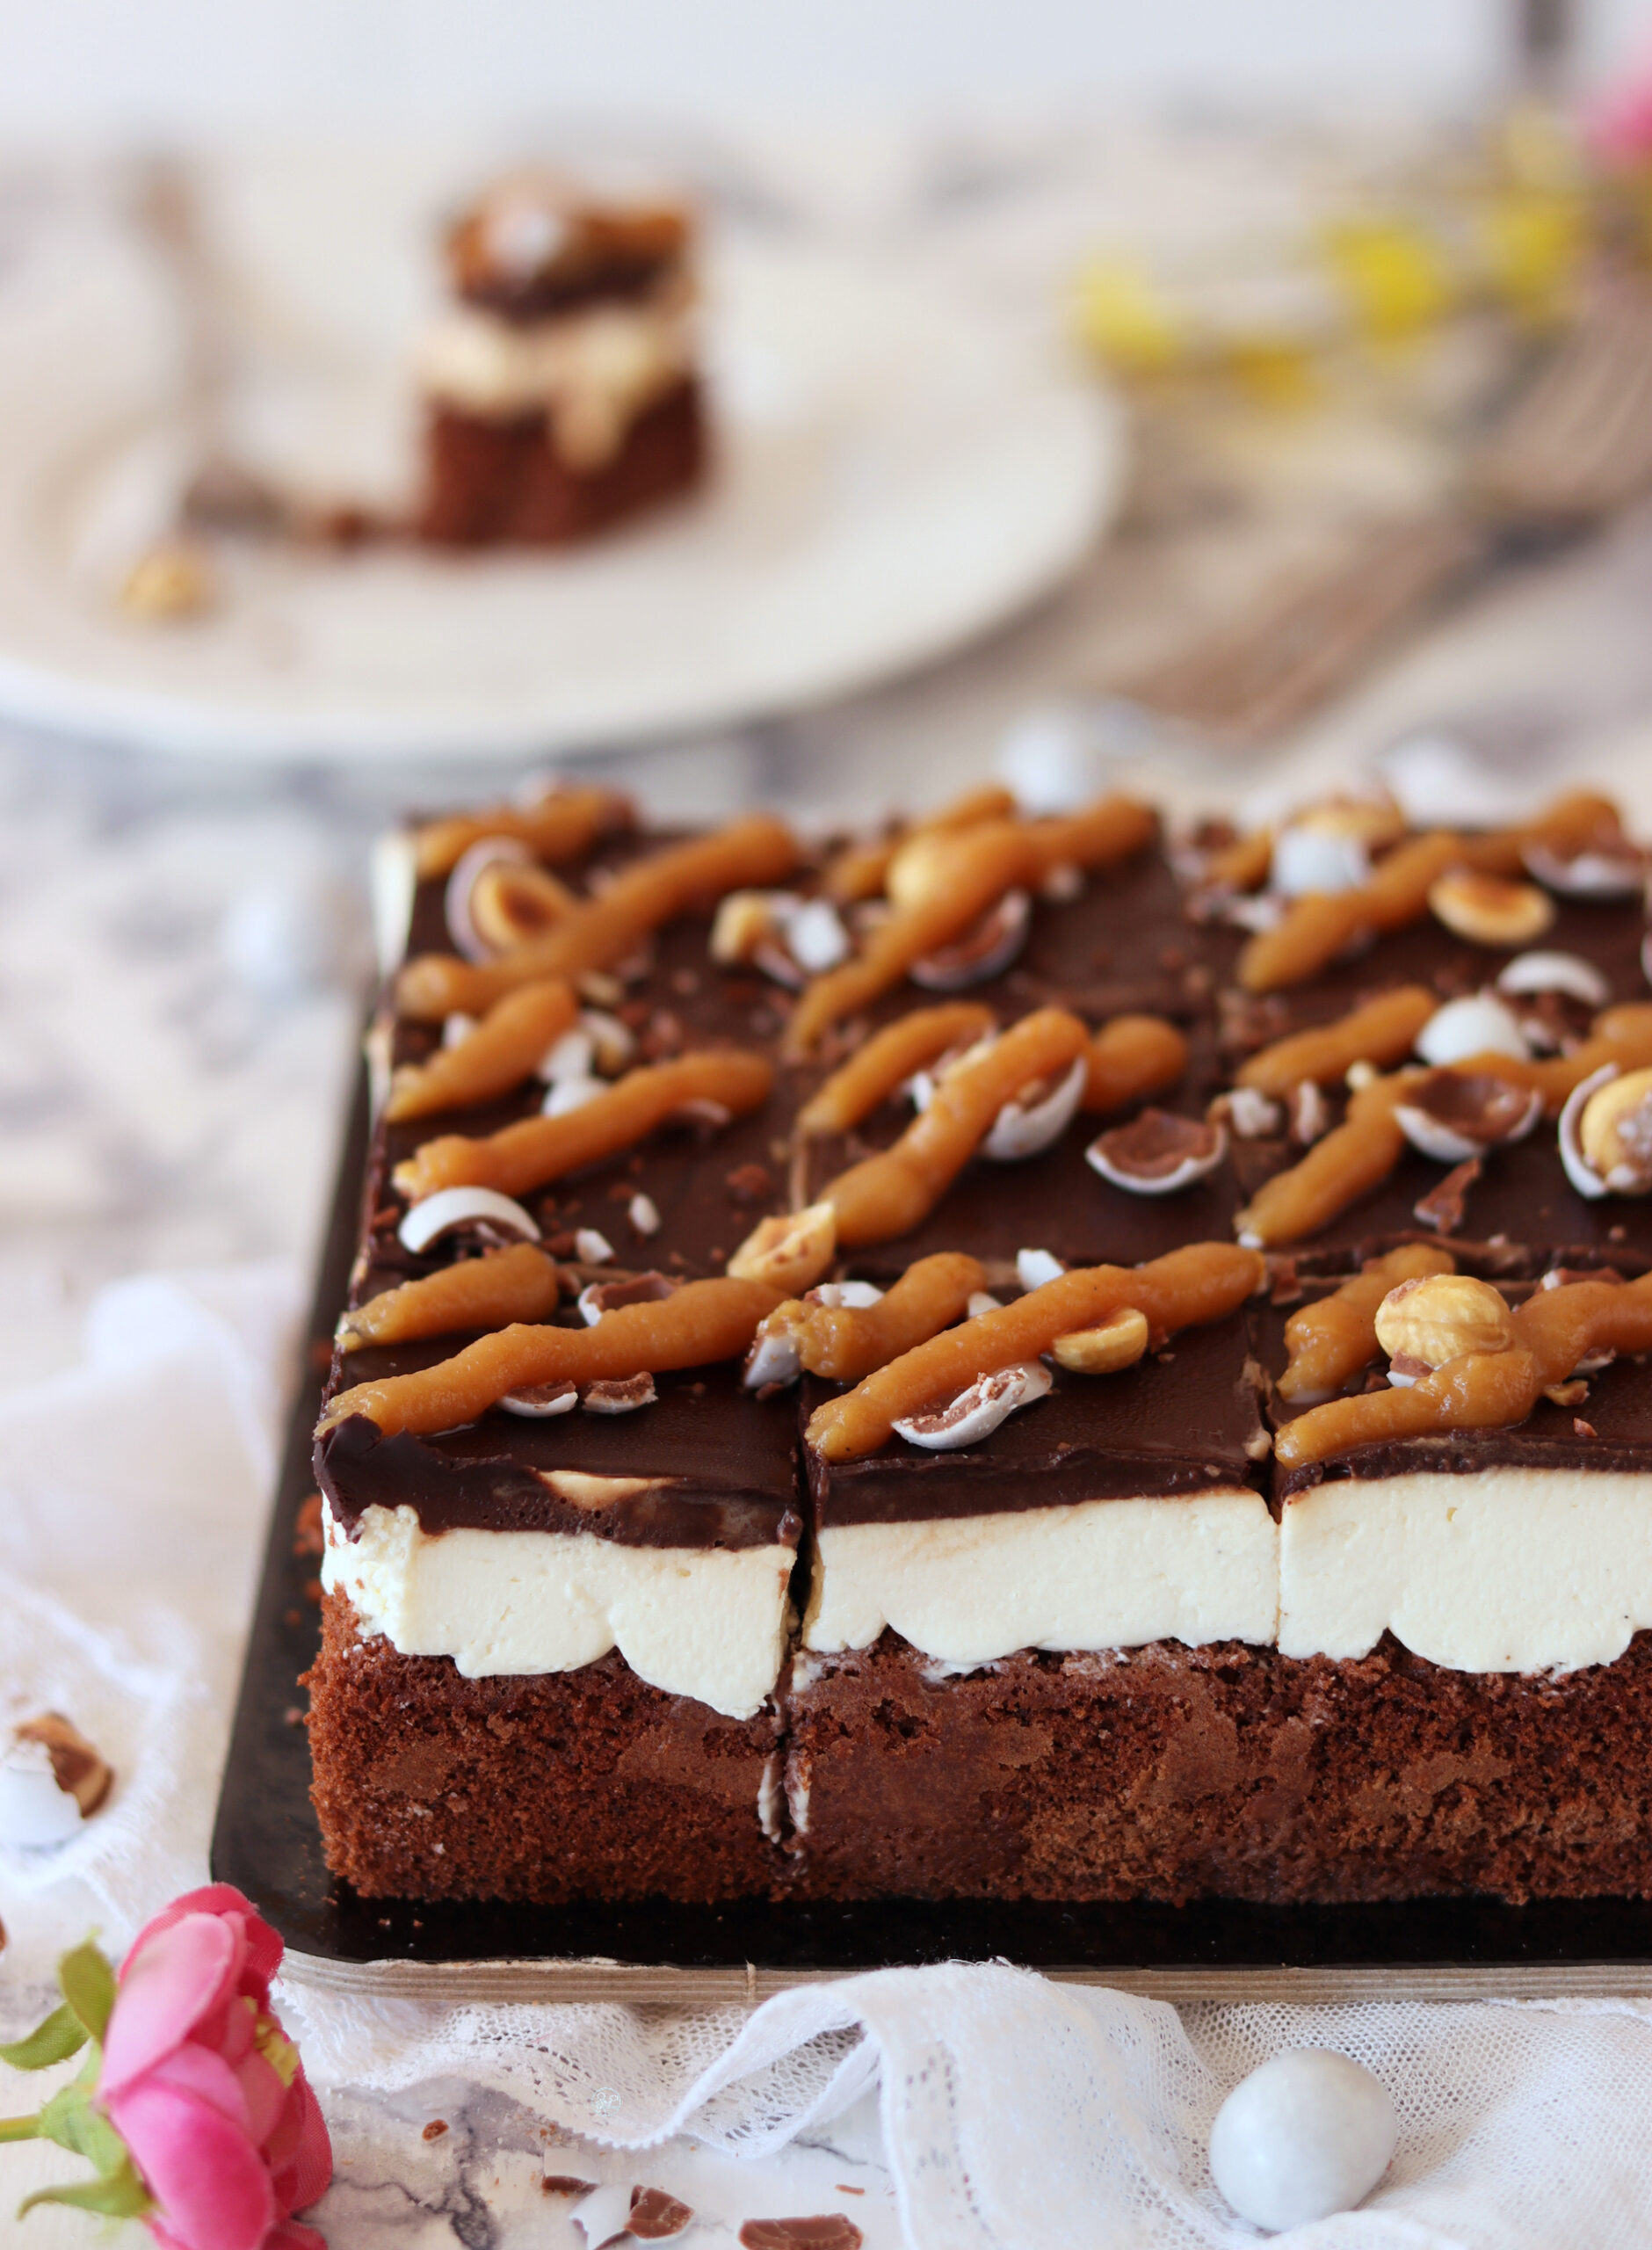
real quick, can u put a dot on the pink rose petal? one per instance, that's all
(211, 1898)
(264, 2096)
(240, 2027)
(166, 1988)
(197, 2070)
(291, 2236)
(300, 2154)
(264, 1947)
(204, 2173)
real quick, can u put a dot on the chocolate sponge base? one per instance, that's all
(1169, 1773)
(546, 1787)
(503, 483)
(1162, 1773)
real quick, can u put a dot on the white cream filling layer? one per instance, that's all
(593, 370)
(1509, 1570)
(708, 1623)
(1096, 1574)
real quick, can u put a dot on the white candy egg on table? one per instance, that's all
(1054, 757)
(285, 936)
(1309, 2133)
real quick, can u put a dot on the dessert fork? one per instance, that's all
(1575, 445)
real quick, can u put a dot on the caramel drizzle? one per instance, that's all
(1328, 1343)
(538, 1150)
(951, 881)
(1316, 928)
(1358, 1154)
(892, 1193)
(754, 852)
(1381, 1030)
(506, 1047)
(488, 1292)
(698, 1324)
(562, 825)
(846, 1342)
(888, 1060)
(1130, 1057)
(1553, 1331)
(861, 870)
(1202, 1282)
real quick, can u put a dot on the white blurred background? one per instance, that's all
(93, 66)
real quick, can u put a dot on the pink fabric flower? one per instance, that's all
(1620, 123)
(204, 2088)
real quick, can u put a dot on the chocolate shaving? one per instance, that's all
(641, 1288)
(1582, 1429)
(656, 2216)
(833, 2231)
(1442, 1207)
(1245, 1021)
(1285, 1287)
(749, 1183)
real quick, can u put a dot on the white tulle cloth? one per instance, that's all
(1023, 2114)
(1018, 2114)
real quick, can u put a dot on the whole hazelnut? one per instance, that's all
(1615, 1132)
(1439, 1317)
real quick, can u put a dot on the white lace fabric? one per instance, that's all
(1018, 2114)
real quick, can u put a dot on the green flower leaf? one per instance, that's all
(61, 2036)
(122, 2195)
(89, 1986)
(71, 2120)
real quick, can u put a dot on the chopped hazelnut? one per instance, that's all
(169, 582)
(790, 1252)
(1615, 1132)
(1118, 1342)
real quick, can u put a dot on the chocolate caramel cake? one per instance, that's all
(561, 386)
(1009, 1358)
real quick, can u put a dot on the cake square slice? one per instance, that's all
(1119, 1509)
(561, 386)
(592, 1607)
(1520, 1551)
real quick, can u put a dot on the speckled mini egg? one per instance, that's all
(1309, 2133)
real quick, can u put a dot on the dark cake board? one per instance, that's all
(267, 1843)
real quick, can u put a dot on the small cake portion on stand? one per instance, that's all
(561, 387)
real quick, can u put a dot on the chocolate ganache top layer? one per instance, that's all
(1183, 1421)
(721, 1467)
